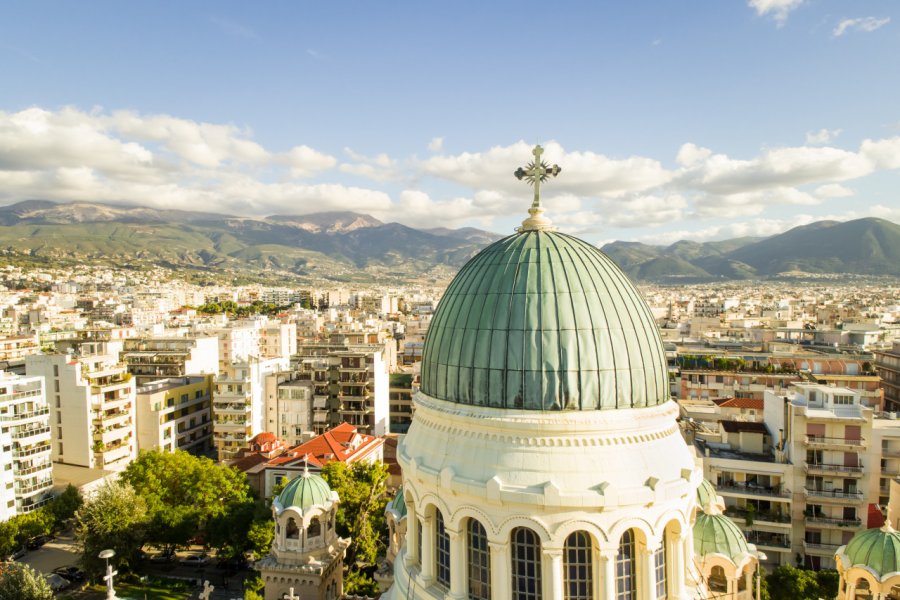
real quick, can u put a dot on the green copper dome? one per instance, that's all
(398, 504)
(878, 549)
(706, 494)
(717, 534)
(304, 492)
(541, 320)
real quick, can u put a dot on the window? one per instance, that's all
(577, 567)
(292, 532)
(717, 580)
(441, 550)
(314, 529)
(626, 585)
(479, 562)
(659, 564)
(526, 565)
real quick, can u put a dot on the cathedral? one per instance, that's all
(544, 459)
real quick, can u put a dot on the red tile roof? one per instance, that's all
(342, 443)
(755, 403)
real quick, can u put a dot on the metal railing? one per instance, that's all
(758, 490)
(834, 441)
(822, 520)
(849, 495)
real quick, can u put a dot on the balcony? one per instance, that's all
(27, 471)
(25, 436)
(34, 488)
(20, 395)
(762, 539)
(820, 549)
(744, 489)
(103, 404)
(740, 515)
(33, 451)
(833, 522)
(821, 441)
(116, 454)
(21, 417)
(234, 408)
(113, 418)
(828, 469)
(891, 452)
(838, 495)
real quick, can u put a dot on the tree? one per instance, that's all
(790, 583)
(63, 507)
(361, 488)
(360, 584)
(9, 533)
(33, 524)
(183, 493)
(19, 581)
(115, 517)
(244, 527)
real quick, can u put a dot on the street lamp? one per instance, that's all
(110, 591)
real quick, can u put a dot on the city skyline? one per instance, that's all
(669, 122)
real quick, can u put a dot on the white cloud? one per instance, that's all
(436, 144)
(863, 24)
(779, 9)
(823, 136)
(377, 168)
(584, 173)
(719, 174)
(750, 203)
(832, 190)
(885, 154)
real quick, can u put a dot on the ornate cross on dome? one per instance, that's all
(535, 173)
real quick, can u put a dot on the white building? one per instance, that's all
(26, 473)
(93, 416)
(175, 414)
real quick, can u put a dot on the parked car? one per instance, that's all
(57, 582)
(197, 558)
(71, 572)
(164, 556)
(17, 554)
(36, 542)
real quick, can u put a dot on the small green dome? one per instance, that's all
(717, 534)
(304, 492)
(541, 320)
(878, 549)
(706, 494)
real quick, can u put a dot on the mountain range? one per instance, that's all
(349, 246)
(867, 246)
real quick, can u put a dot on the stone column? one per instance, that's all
(412, 537)
(458, 587)
(608, 557)
(677, 566)
(500, 571)
(553, 572)
(646, 573)
(427, 551)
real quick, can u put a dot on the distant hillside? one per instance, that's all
(336, 245)
(864, 247)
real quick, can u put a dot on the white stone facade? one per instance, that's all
(574, 479)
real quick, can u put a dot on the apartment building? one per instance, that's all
(289, 407)
(175, 414)
(26, 476)
(239, 402)
(350, 384)
(828, 437)
(699, 383)
(402, 388)
(887, 364)
(92, 406)
(154, 358)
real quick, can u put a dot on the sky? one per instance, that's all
(701, 120)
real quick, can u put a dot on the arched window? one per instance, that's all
(894, 594)
(314, 529)
(578, 567)
(292, 532)
(659, 566)
(526, 564)
(479, 562)
(717, 580)
(441, 549)
(626, 572)
(863, 591)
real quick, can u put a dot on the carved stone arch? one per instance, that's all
(563, 531)
(670, 517)
(465, 512)
(510, 523)
(430, 500)
(643, 529)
